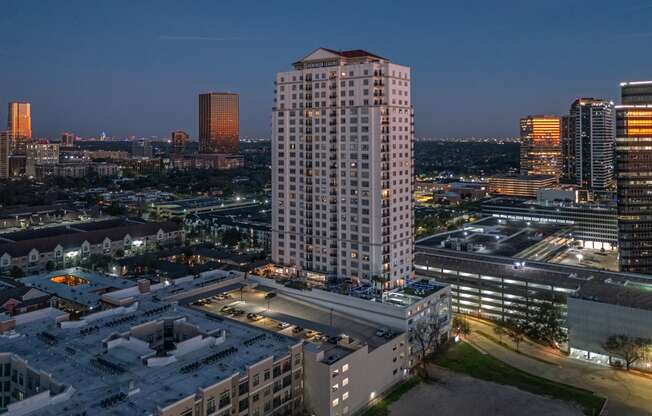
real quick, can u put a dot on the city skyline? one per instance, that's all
(109, 63)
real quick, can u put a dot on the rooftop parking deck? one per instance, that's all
(292, 318)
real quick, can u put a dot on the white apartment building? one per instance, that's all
(342, 168)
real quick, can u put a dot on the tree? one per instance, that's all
(545, 326)
(16, 272)
(426, 338)
(100, 261)
(50, 266)
(269, 297)
(119, 253)
(461, 325)
(625, 347)
(187, 255)
(516, 331)
(115, 209)
(231, 237)
(500, 330)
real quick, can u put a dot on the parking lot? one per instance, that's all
(291, 318)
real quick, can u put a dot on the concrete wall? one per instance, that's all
(590, 323)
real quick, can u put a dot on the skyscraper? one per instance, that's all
(567, 151)
(342, 168)
(19, 124)
(593, 135)
(219, 123)
(179, 140)
(5, 149)
(634, 176)
(541, 145)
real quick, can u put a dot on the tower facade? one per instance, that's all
(634, 176)
(541, 150)
(342, 168)
(219, 122)
(19, 123)
(592, 128)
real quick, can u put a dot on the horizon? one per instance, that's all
(119, 69)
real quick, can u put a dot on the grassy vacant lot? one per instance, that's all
(464, 358)
(380, 408)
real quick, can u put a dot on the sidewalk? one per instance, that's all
(628, 394)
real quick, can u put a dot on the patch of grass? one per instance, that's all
(466, 359)
(381, 407)
(509, 347)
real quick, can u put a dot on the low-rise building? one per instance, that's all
(597, 312)
(182, 208)
(524, 186)
(34, 251)
(594, 225)
(147, 356)
(218, 161)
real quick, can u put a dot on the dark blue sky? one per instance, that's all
(136, 67)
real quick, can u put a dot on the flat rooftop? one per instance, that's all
(77, 357)
(570, 277)
(631, 294)
(533, 204)
(308, 317)
(495, 236)
(77, 285)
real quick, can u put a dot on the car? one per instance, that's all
(283, 325)
(381, 332)
(296, 329)
(334, 339)
(226, 309)
(238, 312)
(254, 316)
(389, 335)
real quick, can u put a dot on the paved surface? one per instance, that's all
(457, 394)
(628, 394)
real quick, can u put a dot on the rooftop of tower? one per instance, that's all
(333, 56)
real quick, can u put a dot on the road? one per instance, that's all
(628, 394)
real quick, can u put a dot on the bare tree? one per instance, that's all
(426, 337)
(516, 332)
(500, 330)
(628, 348)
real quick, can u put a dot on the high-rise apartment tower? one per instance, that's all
(342, 168)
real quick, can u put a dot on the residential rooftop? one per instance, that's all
(77, 285)
(110, 374)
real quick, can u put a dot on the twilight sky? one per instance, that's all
(132, 67)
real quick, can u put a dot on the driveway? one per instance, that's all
(628, 394)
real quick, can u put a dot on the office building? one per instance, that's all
(219, 122)
(179, 141)
(38, 154)
(567, 151)
(342, 168)
(593, 225)
(19, 124)
(541, 146)
(634, 176)
(141, 149)
(592, 128)
(5, 150)
(524, 186)
(68, 139)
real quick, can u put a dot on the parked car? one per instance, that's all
(227, 310)
(283, 325)
(381, 332)
(296, 329)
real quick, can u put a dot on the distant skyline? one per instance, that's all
(137, 68)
